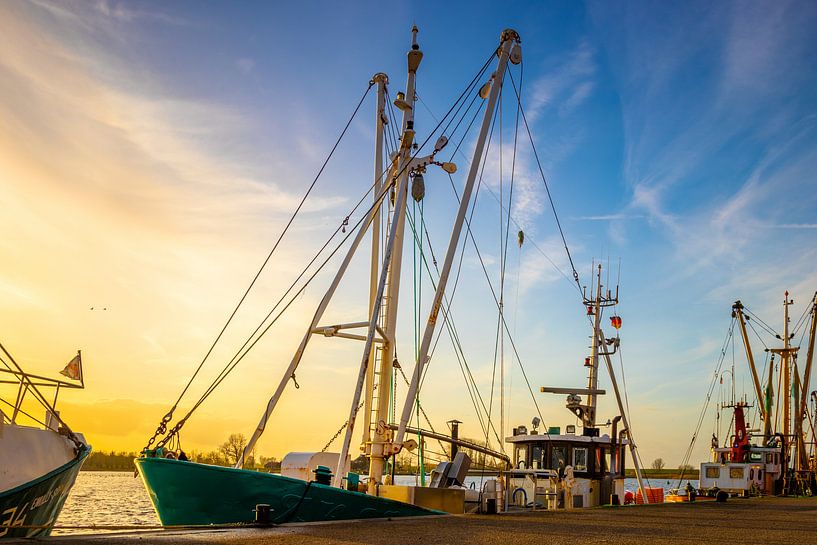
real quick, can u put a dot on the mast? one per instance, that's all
(327, 331)
(382, 366)
(801, 411)
(593, 376)
(381, 80)
(508, 39)
(786, 369)
(624, 419)
(737, 311)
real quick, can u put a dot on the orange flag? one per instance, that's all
(74, 368)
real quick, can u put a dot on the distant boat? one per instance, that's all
(777, 458)
(39, 459)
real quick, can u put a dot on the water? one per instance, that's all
(115, 498)
(106, 498)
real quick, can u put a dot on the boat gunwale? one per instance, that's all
(78, 459)
(262, 474)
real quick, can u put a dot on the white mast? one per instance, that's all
(380, 120)
(385, 303)
(333, 330)
(382, 434)
(508, 40)
(624, 419)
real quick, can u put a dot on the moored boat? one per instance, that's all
(777, 458)
(184, 492)
(39, 463)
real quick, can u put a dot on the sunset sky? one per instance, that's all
(151, 153)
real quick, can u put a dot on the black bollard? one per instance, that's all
(262, 513)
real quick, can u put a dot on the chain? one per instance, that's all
(160, 430)
(343, 427)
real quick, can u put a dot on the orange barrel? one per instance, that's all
(655, 495)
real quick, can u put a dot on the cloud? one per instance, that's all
(545, 263)
(570, 82)
(245, 65)
(143, 201)
(610, 217)
(794, 226)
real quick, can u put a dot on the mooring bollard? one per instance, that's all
(262, 513)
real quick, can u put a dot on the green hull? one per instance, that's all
(191, 494)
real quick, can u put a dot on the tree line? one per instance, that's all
(227, 454)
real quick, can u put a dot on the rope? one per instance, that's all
(801, 321)
(721, 359)
(763, 324)
(21, 411)
(286, 517)
(247, 346)
(161, 428)
(237, 358)
(459, 353)
(547, 188)
(31, 387)
(504, 323)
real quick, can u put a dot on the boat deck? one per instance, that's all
(766, 520)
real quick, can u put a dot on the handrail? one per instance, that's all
(49, 382)
(459, 442)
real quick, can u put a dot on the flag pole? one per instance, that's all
(81, 372)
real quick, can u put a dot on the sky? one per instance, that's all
(152, 152)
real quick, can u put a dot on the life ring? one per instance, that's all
(519, 489)
(170, 455)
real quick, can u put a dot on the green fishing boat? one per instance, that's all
(184, 492)
(191, 494)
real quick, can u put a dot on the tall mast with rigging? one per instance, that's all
(380, 361)
(793, 394)
(509, 42)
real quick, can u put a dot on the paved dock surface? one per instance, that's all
(762, 520)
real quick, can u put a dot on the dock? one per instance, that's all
(759, 520)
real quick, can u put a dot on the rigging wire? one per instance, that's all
(231, 365)
(485, 272)
(763, 324)
(459, 353)
(547, 188)
(721, 358)
(801, 321)
(169, 415)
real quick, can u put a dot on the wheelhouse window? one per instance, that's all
(756, 456)
(736, 473)
(558, 457)
(536, 457)
(580, 459)
(521, 457)
(713, 472)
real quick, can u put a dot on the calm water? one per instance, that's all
(105, 498)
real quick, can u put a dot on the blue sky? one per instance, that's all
(678, 138)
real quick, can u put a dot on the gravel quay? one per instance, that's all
(759, 520)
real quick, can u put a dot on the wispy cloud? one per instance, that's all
(567, 82)
(610, 217)
(664, 166)
(793, 226)
(111, 193)
(245, 65)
